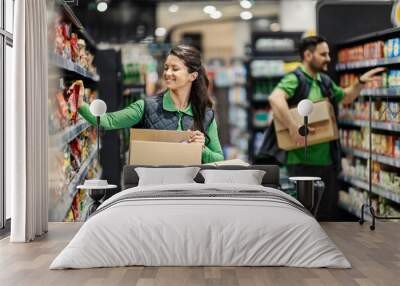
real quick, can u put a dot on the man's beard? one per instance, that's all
(319, 68)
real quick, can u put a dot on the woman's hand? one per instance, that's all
(81, 91)
(197, 137)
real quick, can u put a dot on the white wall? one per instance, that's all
(298, 15)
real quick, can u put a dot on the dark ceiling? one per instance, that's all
(124, 21)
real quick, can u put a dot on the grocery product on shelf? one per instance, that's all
(261, 117)
(381, 111)
(81, 201)
(267, 68)
(72, 152)
(68, 45)
(381, 97)
(382, 175)
(392, 48)
(64, 106)
(373, 50)
(387, 145)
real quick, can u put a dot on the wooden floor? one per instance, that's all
(375, 257)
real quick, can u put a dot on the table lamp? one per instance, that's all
(305, 108)
(98, 107)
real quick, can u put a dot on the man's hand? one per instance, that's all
(296, 137)
(371, 74)
(353, 91)
(81, 91)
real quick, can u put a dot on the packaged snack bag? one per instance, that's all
(74, 47)
(73, 98)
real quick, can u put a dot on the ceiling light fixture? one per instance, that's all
(209, 9)
(216, 14)
(246, 4)
(246, 15)
(160, 32)
(173, 8)
(102, 6)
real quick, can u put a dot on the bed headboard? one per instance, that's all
(130, 178)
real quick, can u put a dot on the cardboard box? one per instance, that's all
(162, 147)
(322, 119)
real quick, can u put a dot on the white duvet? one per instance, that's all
(190, 231)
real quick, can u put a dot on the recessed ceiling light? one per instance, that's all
(216, 14)
(209, 9)
(173, 8)
(102, 6)
(246, 4)
(246, 15)
(160, 32)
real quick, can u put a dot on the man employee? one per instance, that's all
(322, 159)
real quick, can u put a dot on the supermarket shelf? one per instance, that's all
(77, 179)
(238, 126)
(375, 157)
(382, 125)
(71, 16)
(62, 138)
(238, 104)
(367, 63)
(66, 64)
(376, 189)
(132, 85)
(85, 210)
(260, 101)
(355, 210)
(260, 128)
(60, 210)
(381, 92)
(291, 57)
(383, 34)
(269, 77)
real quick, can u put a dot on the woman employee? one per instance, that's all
(185, 105)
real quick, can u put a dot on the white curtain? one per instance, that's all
(27, 123)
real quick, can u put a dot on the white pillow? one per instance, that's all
(166, 176)
(248, 177)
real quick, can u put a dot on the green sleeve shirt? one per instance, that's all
(318, 154)
(132, 115)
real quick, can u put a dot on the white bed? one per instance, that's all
(225, 225)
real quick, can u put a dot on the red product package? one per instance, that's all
(59, 40)
(74, 47)
(76, 151)
(62, 108)
(73, 102)
(75, 207)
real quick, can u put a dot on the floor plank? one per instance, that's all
(374, 255)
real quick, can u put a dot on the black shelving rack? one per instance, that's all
(266, 46)
(383, 127)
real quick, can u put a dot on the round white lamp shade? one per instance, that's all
(305, 107)
(98, 107)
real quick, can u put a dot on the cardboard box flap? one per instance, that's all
(322, 111)
(159, 135)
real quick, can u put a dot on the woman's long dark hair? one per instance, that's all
(199, 96)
